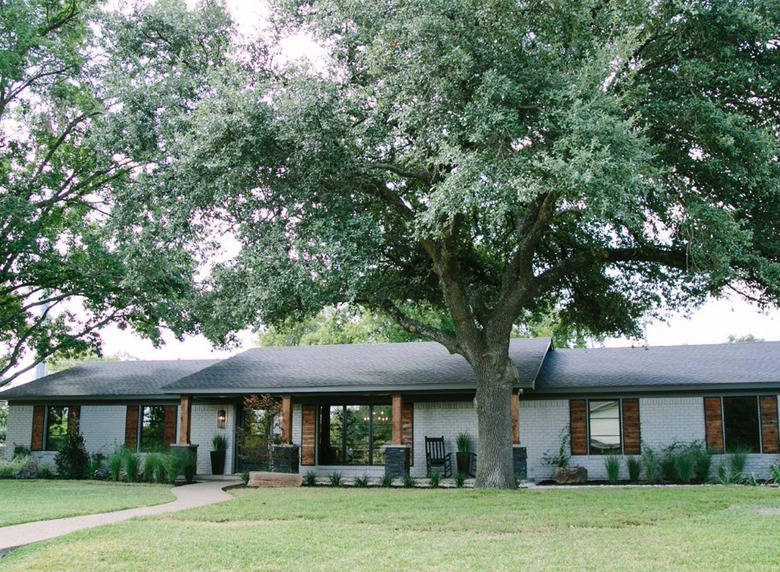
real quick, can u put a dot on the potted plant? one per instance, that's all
(218, 452)
(463, 446)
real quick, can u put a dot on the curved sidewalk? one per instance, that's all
(188, 496)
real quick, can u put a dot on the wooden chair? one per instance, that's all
(436, 458)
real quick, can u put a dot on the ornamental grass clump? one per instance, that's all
(612, 465)
(463, 443)
(335, 479)
(650, 463)
(386, 481)
(408, 481)
(460, 480)
(434, 479)
(219, 443)
(310, 479)
(132, 464)
(702, 462)
(45, 471)
(634, 466)
(154, 468)
(737, 460)
(684, 466)
(13, 468)
(361, 482)
(115, 464)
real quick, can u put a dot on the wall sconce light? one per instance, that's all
(221, 419)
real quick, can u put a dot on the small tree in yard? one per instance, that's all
(493, 160)
(72, 460)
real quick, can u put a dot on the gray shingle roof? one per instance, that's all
(108, 379)
(413, 366)
(661, 367)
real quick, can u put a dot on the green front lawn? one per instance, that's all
(27, 501)
(673, 528)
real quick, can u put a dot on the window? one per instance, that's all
(152, 429)
(56, 427)
(604, 423)
(354, 434)
(740, 424)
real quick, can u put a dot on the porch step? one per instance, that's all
(264, 479)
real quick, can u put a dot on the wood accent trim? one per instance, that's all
(287, 419)
(39, 413)
(308, 433)
(515, 417)
(185, 419)
(169, 425)
(631, 437)
(713, 424)
(74, 418)
(397, 432)
(578, 424)
(407, 431)
(131, 426)
(769, 433)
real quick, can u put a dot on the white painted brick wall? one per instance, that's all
(665, 420)
(203, 427)
(103, 427)
(19, 427)
(542, 424)
(436, 419)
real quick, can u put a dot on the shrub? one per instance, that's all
(131, 463)
(21, 451)
(181, 461)
(310, 479)
(387, 481)
(463, 443)
(335, 479)
(650, 462)
(737, 460)
(408, 481)
(21, 466)
(702, 461)
(434, 479)
(460, 480)
(361, 482)
(219, 443)
(45, 471)
(683, 466)
(154, 468)
(115, 464)
(72, 460)
(245, 477)
(96, 468)
(634, 466)
(612, 464)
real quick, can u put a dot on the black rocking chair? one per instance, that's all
(435, 457)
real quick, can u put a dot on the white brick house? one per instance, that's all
(346, 406)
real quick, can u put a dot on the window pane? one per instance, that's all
(152, 429)
(604, 425)
(358, 420)
(382, 418)
(740, 423)
(56, 427)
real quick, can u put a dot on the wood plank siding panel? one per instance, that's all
(169, 425)
(769, 434)
(308, 433)
(39, 412)
(713, 424)
(131, 427)
(578, 422)
(631, 437)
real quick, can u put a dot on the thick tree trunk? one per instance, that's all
(494, 426)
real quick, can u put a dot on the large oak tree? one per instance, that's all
(493, 159)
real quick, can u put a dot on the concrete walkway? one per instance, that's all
(188, 496)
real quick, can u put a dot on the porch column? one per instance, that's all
(185, 416)
(398, 438)
(515, 417)
(286, 419)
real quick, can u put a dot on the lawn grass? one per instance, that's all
(645, 528)
(28, 501)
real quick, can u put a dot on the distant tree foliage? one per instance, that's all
(746, 339)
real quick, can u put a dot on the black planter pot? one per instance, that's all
(217, 462)
(462, 460)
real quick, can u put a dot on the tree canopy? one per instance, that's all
(496, 160)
